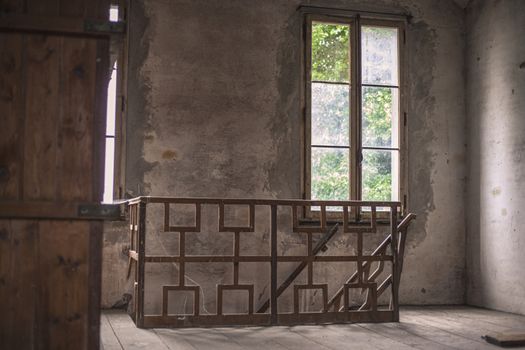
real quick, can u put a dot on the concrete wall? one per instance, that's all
(496, 124)
(214, 110)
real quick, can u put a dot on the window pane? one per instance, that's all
(330, 114)
(113, 13)
(112, 97)
(108, 170)
(330, 170)
(379, 55)
(380, 117)
(330, 52)
(380, 175)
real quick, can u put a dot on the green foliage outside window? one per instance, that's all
(330, 174)
(330, 52)
(330, 166)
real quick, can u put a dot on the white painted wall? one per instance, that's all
(496, 146)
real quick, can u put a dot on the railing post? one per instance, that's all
(395, 263)
(141, 262)
(273, 273)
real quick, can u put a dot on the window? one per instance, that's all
(114, 116)
(353, 106)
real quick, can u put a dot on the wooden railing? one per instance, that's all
(358, 219)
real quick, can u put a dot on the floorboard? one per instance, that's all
(108, 338)
(432, 328)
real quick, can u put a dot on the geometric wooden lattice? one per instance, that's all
(357, 218)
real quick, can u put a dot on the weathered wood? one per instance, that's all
(108, 339)
(403, 335)
(176, 341)
(52, 210)
(12, 106)
(288, 281)
(97, 9)
(42, 102)
(52, 97)
(47, 7)
(72, 8)
(506, 339)
(130, 336)
(273, 266)
(95, 283)
(344, 336)
(368, 312)
(19, 286)
(449, 337)
(63, 266)
(76, 130)
(279, 202)
(140, 276)
(242, 337)
(471, 329)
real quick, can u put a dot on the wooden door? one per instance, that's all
(53, 82)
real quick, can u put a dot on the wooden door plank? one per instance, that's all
(20, 274)
(95, 281)
(42, 110)
(72, 8)
(103, 74)
(98, 9)
(12, 6)
(63, 266)
(43, 7)
(6, 309)
(11, 105)
(76, 132)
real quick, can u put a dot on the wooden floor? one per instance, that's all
(420, 328)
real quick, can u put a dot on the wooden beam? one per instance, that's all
(59, 24)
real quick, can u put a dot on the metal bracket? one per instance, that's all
(102, 211)
(104, 26)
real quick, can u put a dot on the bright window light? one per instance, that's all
(110, 138)
(109, 163)
(113, 14)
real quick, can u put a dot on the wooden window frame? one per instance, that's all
(355, 20)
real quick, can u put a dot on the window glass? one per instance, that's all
(330, 172)
(374, 153)
(330, 110)
(379, 55)
(330, 52)
(380, 108)
(380, 174)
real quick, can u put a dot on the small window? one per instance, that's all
(109, 165)
(114, 117)
(353, 107)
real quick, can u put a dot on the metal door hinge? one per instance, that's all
(104, 26)
(101, 211)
